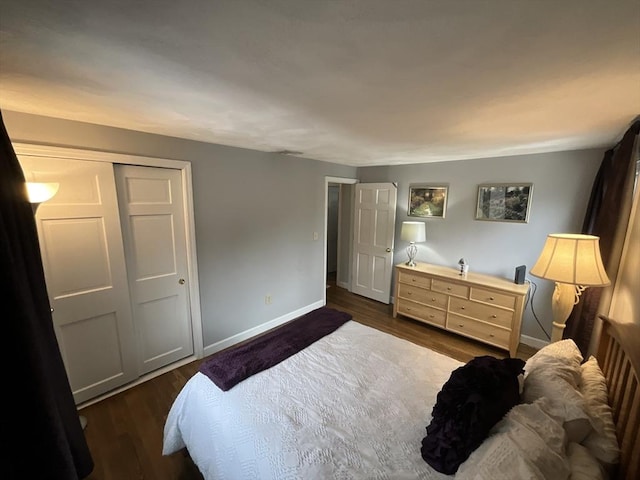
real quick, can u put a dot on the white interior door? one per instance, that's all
(153, 224)
(374, 228)
(84, 264)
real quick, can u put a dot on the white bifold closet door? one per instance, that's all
(152, 219)
(114, 263)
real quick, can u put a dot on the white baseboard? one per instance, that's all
(344, 285)
(533, 341)
(252, 332)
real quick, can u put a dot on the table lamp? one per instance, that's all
(413, 232)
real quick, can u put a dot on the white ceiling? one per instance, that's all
(359, 82)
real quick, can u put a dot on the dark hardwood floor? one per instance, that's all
(124, 432)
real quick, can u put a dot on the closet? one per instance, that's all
(114, 250)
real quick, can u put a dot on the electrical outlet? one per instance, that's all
(267, 300)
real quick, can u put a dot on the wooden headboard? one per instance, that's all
(619, 358)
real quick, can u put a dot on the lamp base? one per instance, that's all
(565, 296)
(557, 331)
(412, 250)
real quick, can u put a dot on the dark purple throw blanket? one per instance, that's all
(476, 396)
(228, 368)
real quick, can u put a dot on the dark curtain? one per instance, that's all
(41, 433)
(607, 217)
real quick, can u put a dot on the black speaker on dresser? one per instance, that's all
(521, 272)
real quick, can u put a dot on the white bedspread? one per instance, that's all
(353, 405)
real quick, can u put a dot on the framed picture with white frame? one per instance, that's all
(504, 202)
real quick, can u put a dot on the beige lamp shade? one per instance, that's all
(573, 259)
(413, 232)
(41, 192)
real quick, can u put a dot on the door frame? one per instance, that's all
(187, 189)
(327, 181)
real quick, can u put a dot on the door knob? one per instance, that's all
(181, 281)
(388, 249)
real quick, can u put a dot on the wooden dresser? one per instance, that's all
(482, 307)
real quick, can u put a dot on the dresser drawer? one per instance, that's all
(422, 312)
(413, 279)
(450, 288)
(421, 295)
(486, 313)
(493, 298)
(478, 330)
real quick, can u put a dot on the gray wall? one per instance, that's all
(562, 183)
(255, 214)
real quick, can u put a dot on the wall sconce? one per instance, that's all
(41, 192)
(574, 263)
(413, 232)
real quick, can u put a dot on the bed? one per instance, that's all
(356, 404)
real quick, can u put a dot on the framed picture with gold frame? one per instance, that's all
(428, 201)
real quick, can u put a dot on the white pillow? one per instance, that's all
(602, 441)
(584, 466)
(565, 368)
(527, 443)
(564, 356)
(566, 348)
(565, 401)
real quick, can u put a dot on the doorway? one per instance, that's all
(338, 232)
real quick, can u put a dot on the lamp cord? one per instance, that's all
(531, 293)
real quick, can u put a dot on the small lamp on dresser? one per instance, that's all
(413, 232)
(573, 261)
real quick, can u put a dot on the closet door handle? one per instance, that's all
(181, 281)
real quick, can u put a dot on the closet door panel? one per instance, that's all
(153, 224)
(83, 257)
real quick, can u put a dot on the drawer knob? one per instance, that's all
(431, 316)
(413, 279)
(491, 335)
(408, 309)
(433, 299)
(461, 324)
(409, 293)
(494, 316)
(448, 288)
(491, 298)
(461, 308)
